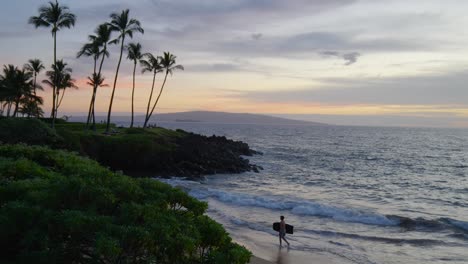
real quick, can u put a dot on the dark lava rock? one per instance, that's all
(199, 155)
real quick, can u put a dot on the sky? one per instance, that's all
(346, 62)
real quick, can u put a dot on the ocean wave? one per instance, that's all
(298, 207)
(304, 207)
(462, 225)
(431, 225)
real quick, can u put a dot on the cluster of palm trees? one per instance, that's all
(18, 90)
(97, 49)
(18, 86)
(57, 17)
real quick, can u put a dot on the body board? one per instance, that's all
(289, 228)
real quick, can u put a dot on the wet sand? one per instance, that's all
(285, 258)
(267, 251)
(255, 260)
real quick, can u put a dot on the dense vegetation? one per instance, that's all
(57, 207)
(136, 151)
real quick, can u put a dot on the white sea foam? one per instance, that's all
(296, 206)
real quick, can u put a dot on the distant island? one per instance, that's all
(187, 120)
(212, 117)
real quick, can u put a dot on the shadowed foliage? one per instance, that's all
(17, 93)
(56, 207)
(28, 131)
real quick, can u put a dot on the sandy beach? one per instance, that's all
(285, 258)
(255, 260)
(270, 253)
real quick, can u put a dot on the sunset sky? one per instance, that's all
(361, 62)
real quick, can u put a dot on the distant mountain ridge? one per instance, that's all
(229, 118)
(212, 117)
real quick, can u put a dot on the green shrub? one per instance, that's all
(57, 207)
(29, 131)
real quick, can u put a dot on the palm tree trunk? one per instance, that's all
(133, 93)
(95, 88)
(61, 98)
(159, 95)
(93, 115)
(55, 81)
(88, 120)
(57, 96)
(149, 101)
(115, 83)
(35, 78)
(16, 107)
(91, 106)
(9, 109)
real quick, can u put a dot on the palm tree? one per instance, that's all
(67, 82)
(168, 62)
(91, 49)
(7, 85)
(35, 66)
(95, 81)
(103, 37)
(152, 64)
(3, 97)
(16, 84)
(56, 17)
(125, 26)
(30, 106)
(6, 89)
(60, 78)
(134, 54)
(97, 47)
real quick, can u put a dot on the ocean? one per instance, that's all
(353, 194)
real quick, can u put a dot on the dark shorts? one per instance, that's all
(282, 233)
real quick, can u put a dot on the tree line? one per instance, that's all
(18, 86)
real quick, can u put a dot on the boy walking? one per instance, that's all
(282, 232)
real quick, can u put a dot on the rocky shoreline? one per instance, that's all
(201, 155)
(152, 152)
(195, 156)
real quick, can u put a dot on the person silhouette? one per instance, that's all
(282, 232)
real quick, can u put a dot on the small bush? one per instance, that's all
(57, 207)
(28, 131)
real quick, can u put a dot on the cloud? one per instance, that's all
(350, 58)
(232, 9)
(216, 67)
(330, 53)
(449, 90)
(257, 36)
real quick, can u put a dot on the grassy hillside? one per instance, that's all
(136, 151)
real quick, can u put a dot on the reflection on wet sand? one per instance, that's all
(282, 257)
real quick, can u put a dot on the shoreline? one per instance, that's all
(257, 260)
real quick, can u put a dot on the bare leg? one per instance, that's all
(284, 238)
(280, 239)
